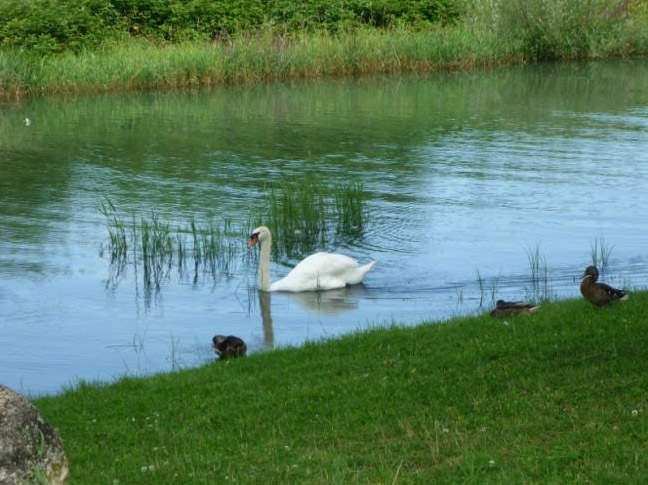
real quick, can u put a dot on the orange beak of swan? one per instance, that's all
(254, 238)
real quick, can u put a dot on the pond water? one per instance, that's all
(467, 177)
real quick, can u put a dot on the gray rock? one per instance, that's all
(31, 451)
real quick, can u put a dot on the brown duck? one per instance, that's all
(509, 308)
(228, 346)
(599, 294)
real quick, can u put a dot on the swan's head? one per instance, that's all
(260, 234)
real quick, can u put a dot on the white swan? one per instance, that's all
(319, 271)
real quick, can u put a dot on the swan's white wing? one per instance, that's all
(322, 271)
(329, 263)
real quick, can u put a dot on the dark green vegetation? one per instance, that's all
(559, 396)
(48, 26)
(101, 45)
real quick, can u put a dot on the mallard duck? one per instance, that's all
(599, 294)
(228, 346)
(508, 308)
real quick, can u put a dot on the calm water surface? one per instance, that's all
(466, 173)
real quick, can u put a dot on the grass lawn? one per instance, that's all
(554, 397)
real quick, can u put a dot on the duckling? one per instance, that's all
(599, 294)
(228, 346)
(508, 308)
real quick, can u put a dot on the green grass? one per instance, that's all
(139, 64)
(487, 32)
(560, 396)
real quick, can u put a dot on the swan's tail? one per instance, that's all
(367, 267)
(362, 272)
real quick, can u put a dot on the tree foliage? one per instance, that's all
(50, 26)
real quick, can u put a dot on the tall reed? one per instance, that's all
(350, 207)
(481, 284)
(600, 253)
(118, 245)
(553, 30)
(139, 65)
(488, 32)
(540, 290)
(156, 244)
(306, 215)
(303, 217)
(157, 248)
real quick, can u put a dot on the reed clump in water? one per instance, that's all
(118, 245)
(600, 253)
(308, 215)
(303, 217)
(540, 289)
(157, 248)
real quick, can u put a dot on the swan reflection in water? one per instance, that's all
(322, 303)
(331, 302)
(266, 318)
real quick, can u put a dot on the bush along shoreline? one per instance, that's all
(108, 46)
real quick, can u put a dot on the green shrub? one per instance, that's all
(46, 26)
(50, 26)
(549, 30)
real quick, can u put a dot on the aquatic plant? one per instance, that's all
(118, 245)
(156, 244)
(487, 286)
(302, 216)
(307, 215)
(540, 290)
(157, 248)
(600, 253)
(481, 284)
(460, 297)
(493, 289)
(350, 207)
(180, 46)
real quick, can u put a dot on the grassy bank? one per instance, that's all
(559, 396)
(140, 65)
(482, 32)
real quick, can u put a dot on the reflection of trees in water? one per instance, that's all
(283, 130)
(215, 152)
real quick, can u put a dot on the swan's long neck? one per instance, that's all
(264, 264)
